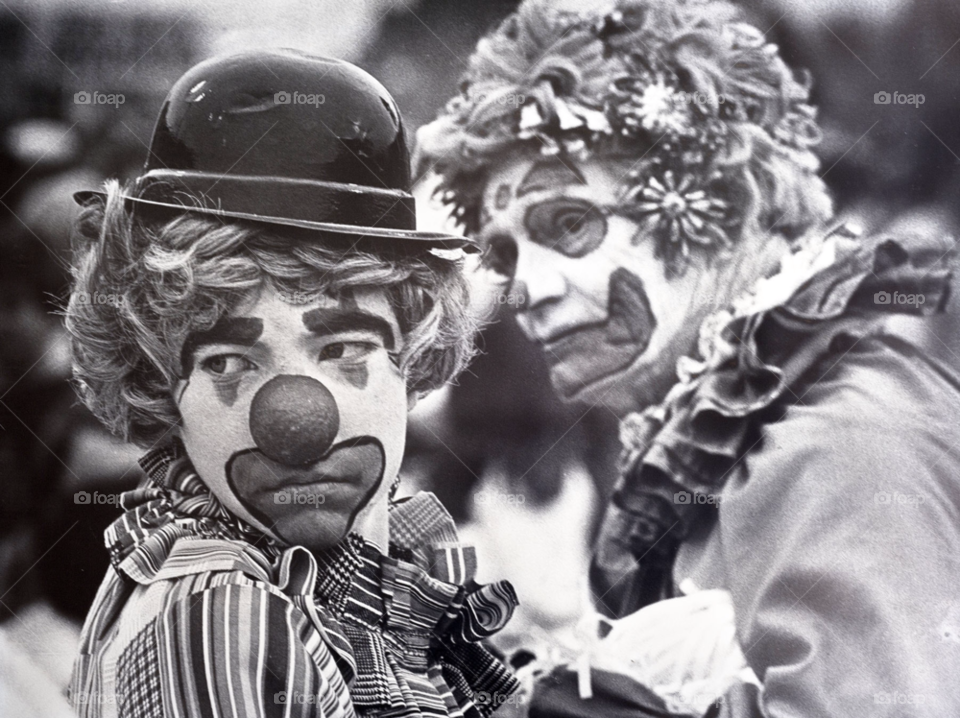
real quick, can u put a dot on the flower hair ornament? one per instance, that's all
(678, 212)
(715, 128)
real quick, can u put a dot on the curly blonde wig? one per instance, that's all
(139, 288)
(683, 90)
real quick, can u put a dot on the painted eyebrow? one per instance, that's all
(244, 331)
(546, 174)
(325, 322)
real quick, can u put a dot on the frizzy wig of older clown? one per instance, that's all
(140, 288)
(712, 129)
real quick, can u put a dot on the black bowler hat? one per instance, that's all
(285, 138)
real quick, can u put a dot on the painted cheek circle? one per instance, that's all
(294, 420)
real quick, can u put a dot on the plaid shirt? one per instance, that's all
(200, 615)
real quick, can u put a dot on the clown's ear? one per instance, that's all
(90, 217)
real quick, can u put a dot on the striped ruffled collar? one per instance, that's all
(391, 620)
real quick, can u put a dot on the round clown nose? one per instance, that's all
(294, 419)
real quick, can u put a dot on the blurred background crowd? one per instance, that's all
(523, 474)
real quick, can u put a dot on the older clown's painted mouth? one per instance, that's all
(584, 355)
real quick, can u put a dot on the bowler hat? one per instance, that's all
(285, 138)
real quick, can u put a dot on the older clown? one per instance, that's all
(273, 315)
(642, 173)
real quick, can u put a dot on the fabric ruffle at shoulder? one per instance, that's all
(712, 417)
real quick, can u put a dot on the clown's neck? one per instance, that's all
(373, 524)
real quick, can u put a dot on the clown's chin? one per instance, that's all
(313, 506)
(592, 359)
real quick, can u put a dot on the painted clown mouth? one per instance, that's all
(291, 500)
(586, 354)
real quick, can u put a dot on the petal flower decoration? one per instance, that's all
(684, 90)
(679, 212)
(658, 108)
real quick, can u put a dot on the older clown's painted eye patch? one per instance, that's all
(574, 227)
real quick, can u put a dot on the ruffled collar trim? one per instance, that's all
(753, 353)
(750, 358)
(415, 609)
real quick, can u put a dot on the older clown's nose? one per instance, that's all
(294, 419)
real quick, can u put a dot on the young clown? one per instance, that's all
(273, 315)
(643, 172)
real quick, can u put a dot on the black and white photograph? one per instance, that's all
(479, 359)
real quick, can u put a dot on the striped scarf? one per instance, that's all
(404, 628)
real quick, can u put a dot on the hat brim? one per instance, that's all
(418, 239)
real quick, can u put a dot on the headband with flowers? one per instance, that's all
(687, 96)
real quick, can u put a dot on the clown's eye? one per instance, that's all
(573, 227)
(226, 364)
(346, 350)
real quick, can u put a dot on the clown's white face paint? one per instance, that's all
(295, 415)
(596, 299)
